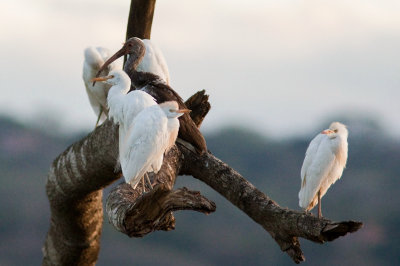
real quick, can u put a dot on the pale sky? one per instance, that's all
(279, 67)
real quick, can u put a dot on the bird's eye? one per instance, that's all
(112, 76)
(335, 131)
(171, 110)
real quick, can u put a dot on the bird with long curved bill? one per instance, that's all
(156, 87)
(325, 160)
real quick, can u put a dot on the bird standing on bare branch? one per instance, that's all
(152, 133)
(156, 87)
(325, 160)
(124, 107)
(97, 93)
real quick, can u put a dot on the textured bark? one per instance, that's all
(140, 19)
(74, 188)
(153, 210)
(199, 105)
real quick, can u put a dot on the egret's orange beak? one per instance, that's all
(101, 78)
(183, 111)
(327, 131)
(121, 52)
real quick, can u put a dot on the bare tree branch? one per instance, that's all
(74, 188)
(140, 19)
(153, 210)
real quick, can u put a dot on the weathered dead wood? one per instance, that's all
(74, 188)
(152, 211)
(140, 19)
(199, 105)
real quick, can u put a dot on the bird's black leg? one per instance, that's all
(148, 180)
(98, 118)
(319, 205)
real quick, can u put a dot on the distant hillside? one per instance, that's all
(368, 191)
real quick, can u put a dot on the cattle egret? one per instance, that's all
(325, 160)
(124, 106)
(156, 87)
(97, 93)
(152, 133)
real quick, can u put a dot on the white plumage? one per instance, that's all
(154, 61)
(152, 133)
(124, 106)
(325, 160)
(97, 94)
(146, 130)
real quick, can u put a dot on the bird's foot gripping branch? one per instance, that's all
(137, 215)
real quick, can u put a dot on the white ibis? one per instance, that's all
(325, 160)
(156, 87)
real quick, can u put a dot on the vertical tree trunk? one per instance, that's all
(140, 19)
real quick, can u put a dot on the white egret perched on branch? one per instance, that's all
(325, 160)
(156, 87)
(97, 93)
(152, 133)
(124, 106)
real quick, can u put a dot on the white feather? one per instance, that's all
(148, 138)
(94, 58)
(325, 160)
(154, 61)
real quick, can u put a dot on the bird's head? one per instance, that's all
(114, 77)
(171, 109)
(336, 129)
(134, 47)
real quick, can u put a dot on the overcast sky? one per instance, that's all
(280, 67)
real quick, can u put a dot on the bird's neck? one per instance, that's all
(119, 89)
(115, 97)
(132, 62)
